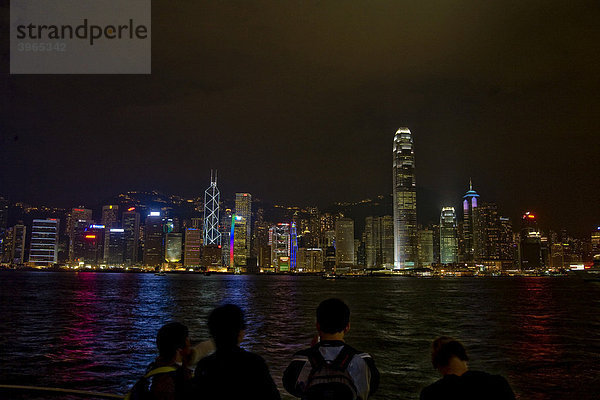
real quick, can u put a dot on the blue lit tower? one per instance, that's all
(471, 233)
(405, 201)
(211, 212)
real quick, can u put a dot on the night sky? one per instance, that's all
(298, 103)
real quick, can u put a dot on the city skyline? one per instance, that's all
(491, 91)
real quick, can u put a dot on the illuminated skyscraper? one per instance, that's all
(43, 248)
(279, 238)
(14, 245)
(238, 243)
(243, 208)
(211, 212)
(76, 215)
(379, 241)
(595, 239)
(530, 246)
(448, 236)
(425, 247)
(153, 240)
(405, 201)
(131, 225)
(344, 242)
(110, 215)
(116, 246)
(173, 245)
(471, 230)
(191, 256)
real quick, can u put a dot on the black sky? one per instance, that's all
(298, 102)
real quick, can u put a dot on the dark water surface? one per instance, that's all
(95, 331)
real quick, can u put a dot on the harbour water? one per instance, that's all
(96, 331)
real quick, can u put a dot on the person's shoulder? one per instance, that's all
(433, 390)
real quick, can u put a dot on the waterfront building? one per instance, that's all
(75, 215)
(193, 239)
(507, 244)
(3, 215)
(131, 225)
(110, 215)
(116, 246)
(211, 212)
(437, 243)
(490, 236)
(530, 249)
(243, 208)
(373, 242)
(470, 228)
(14, 245)
(238, 244)
(279, 239)
(595, 241)
(153, 240)
(173, 246)
(404, 201)
(43, 248)
(448, 236)
(212, 256)
(344, 242)
(425, 247)
(89, 243)
(310, 260)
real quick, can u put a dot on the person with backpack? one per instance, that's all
(231, 373)
(331, 369)
(169, 376)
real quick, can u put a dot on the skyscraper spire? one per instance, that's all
(470, 184)
(211, 212)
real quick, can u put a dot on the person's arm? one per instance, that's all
(291, 374)
(374, 373)
(505, 392)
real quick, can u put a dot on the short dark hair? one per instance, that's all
(333, 315)
(444, 348)
(170, 338)
(225, 324)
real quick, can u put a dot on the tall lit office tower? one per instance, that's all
(110, 215)
(193, 240)
(131, 225)
(76, 214)
(405, 201)
(373, 242)
(14, 245)
(116, 246)
(43, 248)
(387, 241)
(489, 228)
(379, 241)
(279, 238)
(425, 245)
(595, 239)
(3, 214)
(448, 236)
(507, 245)
(530, 243)
(153, 240)
(344, 242)
(211, 212)
(239, 241)
(173, 245)
(243, 208)
(471, 231)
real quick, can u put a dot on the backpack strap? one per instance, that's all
(160, 370)
(344, 358)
